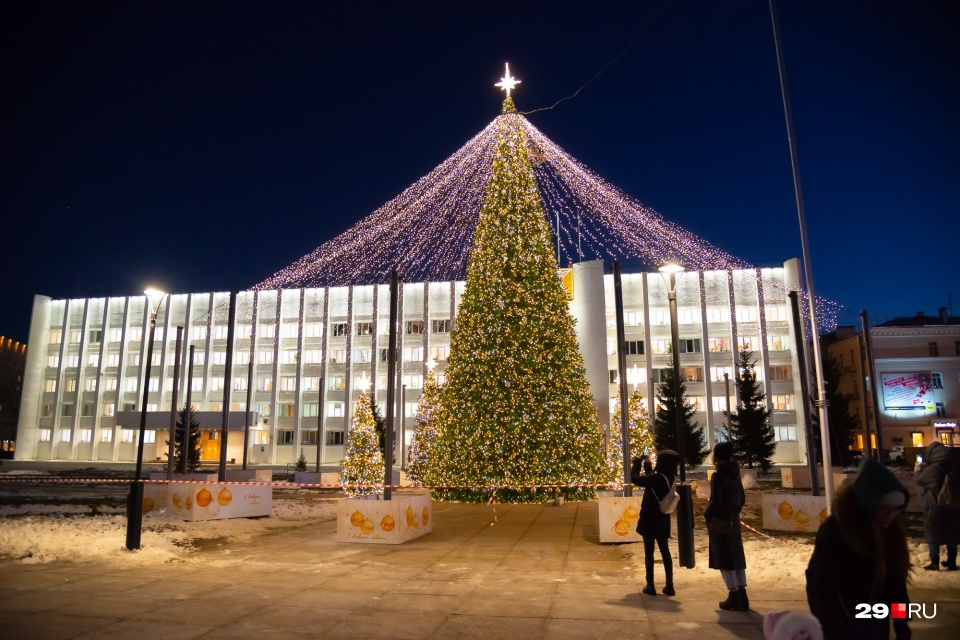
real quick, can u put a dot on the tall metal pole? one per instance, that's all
(805, 396)
(391, 384)
(867, 380)
(403, 425)
(726, 391)
(173, 405)
(228, 367)
(135, 497)
(186, 445)
(622, 369)
(685, 549)
(246, 423)
(868, 344)
(807, 268)
(320, 426)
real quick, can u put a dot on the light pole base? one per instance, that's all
(685, 551)
(134, 515)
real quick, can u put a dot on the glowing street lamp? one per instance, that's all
(155, 298)
(685, 506)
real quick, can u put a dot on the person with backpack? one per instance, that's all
(655, 507)
(723, 527)
(938, 478)
(860, 557)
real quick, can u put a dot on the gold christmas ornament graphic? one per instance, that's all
(426, 516)
(622, 527)
(785, 510)
(177, 500)
(225, 497)
(204, 497)
(367, 526)
(823, 515)
(801, 518)
(357, 518)
(148, 505)
(388, 523)
(188, 504)
(631, 515)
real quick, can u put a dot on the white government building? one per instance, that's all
(297, 351)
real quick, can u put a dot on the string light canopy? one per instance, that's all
(427, 230)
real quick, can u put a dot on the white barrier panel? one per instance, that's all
(793, 511)
(394, 521)
(208, 500)
(798, 477)
(249, 475)
(618, 517)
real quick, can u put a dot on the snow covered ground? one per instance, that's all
(34, 532)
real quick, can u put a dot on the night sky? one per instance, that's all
(203, 146)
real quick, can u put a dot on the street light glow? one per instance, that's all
(671, 268)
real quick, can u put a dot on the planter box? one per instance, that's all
(312, 477)
(208, 500)
(752, 483)
(793, 511)
(249, 475)
(798, 477)
(618, 516)
(394, 521)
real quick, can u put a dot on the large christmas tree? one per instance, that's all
(750, 430)
(362, 463)
(516, 408)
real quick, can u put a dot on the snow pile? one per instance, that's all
(49, 533)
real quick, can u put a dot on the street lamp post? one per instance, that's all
(135, 498)
(685, 506)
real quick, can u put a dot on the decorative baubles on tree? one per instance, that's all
(362, 470)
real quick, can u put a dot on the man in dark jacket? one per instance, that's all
(941, 525)
(861, 557)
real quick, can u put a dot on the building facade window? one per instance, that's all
(364, 328)
(285, 436)
(933, 349)
(414, 327)
(936, 380)
(781, 372)
(633, 347)
(334, 438)
(785, 434)
(941, 410)
(339, 329)
(781, 402)
(441, 326)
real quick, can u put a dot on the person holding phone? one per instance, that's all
(654, 525)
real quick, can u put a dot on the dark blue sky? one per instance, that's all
(205, 145)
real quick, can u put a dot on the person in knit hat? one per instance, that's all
(723, 527)
(861, 556)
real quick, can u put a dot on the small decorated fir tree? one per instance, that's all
(301, 463)
(641, 434)
(424, 430)
(665, 422)
(363, 463)
(750, 430)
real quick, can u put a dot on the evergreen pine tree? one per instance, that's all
(749, 426)
(196, 442)
(362, 463)
(301, 463)
(665, 421)
(641, 433)
(516, 408)
(380, 424)
(424, 430)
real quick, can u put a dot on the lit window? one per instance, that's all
(265, 384)
(776, 312)
(335, 409)
(308, 436)
(311, 383)
(312, 356)
(289, 330)
(221, 331)
(70, 385)
(53, 361)
(410, 410)
(717, 373)
(746, 314)
(718, 314)
(746, 343)
(718, 344)
(261, 437)
(661, 347)
(219, 357)
(49, 386)
(337, 383)
(154, 384)
(86, 435)
(288, 383)
(268, 331)
(313, 329)
(216, 384)
(265, 357)
(361, 355)
(785, 434)
(65, 435)
(116, 335)
(73, 361)
(781, 372)
(310, 409)
(76, 336)
(94, 360)
(782, 402)
(131, 384)
(441, 326)
(46, 435)
(113, 360)
(239, 384)
(288, 356)
(197, 385)
(46, 411)
(364, 328)
(338, 356)
(109, 409)
(200, 333)
(56, 337)
(633, 318)
(440, 353)
(149, 436)
(106, 436)
(413, 381)
(240, 357)
(778, 343)
(659, 316)
(135, 334)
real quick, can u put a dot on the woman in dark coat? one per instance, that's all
(654, 525)
(941, 526)
(723, 527)
(861, 556)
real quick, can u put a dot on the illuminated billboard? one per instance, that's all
(907, 391)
